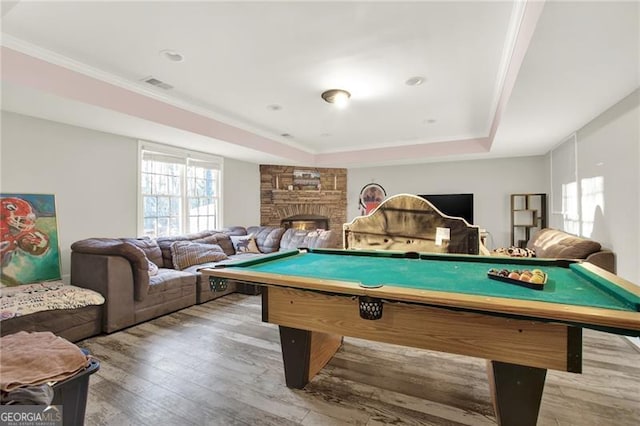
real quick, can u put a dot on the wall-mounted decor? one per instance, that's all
(371, 196)
(28, 239)
(306, 179)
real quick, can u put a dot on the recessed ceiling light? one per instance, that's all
(274, 107)
(172, 55)
(285, 135)
(415, 81)
(429, 121)
(338, 97)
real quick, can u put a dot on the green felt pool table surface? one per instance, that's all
(572, 285)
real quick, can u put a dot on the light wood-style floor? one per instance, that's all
(218, 364)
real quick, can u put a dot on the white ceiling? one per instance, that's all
(501, 78)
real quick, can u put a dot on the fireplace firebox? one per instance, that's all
(305, 221)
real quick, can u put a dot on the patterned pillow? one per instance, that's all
(514, 252)
(153, 268)
(187, 253)
(244, 244)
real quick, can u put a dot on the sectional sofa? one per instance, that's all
(143, 278)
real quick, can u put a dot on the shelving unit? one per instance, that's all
(528, 214)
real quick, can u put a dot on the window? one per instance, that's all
(179, 191)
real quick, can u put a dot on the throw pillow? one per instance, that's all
(514, 252)
(187, 253)
(153, 269)
(244, 244)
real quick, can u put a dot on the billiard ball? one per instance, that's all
(514, 275)
(537, 279)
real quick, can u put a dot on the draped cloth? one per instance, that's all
(28, 359)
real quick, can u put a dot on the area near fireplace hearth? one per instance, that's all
(320, 202)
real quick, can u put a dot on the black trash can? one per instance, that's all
(72, 395)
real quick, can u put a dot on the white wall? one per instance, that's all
(241, 193)
(92, 175)
(609, 146)
(94, 178)
(491, 182)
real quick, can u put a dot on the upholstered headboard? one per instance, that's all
(409, 223)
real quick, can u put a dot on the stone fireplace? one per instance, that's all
(282, 205)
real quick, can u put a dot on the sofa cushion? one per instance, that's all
(293, 239)
(188, 253)
(165, 245)
(301, 238)
(150, 248)
(221, 239)
(118, 247)
(244, 244)
(320, 239)
(168, 278)
(553, 243)
(204, 236)
(267, 237)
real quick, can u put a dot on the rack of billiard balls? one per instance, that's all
(535, 279)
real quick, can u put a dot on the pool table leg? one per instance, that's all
(304, 353)
(516, 391)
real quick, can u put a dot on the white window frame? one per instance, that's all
(183, 155)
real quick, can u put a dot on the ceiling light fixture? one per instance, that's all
(172, 55)
(338, 97)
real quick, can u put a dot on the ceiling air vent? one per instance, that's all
(158, 83)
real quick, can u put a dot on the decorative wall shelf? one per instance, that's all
(528, 214)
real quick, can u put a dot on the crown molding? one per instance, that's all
(47, 55)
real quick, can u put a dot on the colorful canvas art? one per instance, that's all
(29, 239)
(371, 195)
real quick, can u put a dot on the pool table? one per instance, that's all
(439, 302)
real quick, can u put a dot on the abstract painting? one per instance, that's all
(29, 239)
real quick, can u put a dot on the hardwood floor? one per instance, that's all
(218, 364)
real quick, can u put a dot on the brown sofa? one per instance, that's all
(553, 243)
(119, 269)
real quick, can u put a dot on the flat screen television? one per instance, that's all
(457, 205)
